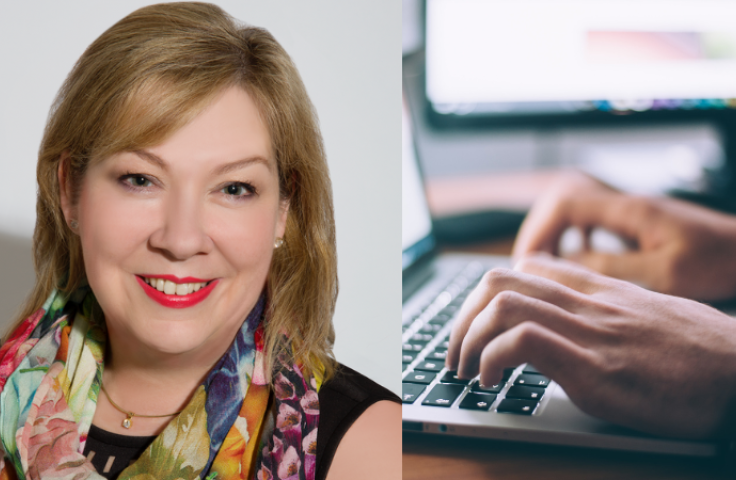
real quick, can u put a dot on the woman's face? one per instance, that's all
(196, 217)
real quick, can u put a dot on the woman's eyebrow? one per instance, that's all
(151, 158)
(221, 170)
(229, 167)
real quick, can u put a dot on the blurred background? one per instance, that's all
(505, 94)
(347, 55)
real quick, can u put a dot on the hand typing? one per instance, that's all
(653, 362)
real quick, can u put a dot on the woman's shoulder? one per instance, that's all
(350, 388)
(343, 399)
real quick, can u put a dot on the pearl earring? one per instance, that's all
(74, 224)
(278, 242)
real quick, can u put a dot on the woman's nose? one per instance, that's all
(181, 233)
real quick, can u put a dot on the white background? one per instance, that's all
(348, 54)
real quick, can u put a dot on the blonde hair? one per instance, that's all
(145, 78)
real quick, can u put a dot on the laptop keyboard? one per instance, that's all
(425, 343)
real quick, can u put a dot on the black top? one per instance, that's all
(343, 398)
(111, 453)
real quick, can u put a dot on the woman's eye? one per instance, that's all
(239, 190)
(138, 181)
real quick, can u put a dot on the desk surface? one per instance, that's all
(430, 457)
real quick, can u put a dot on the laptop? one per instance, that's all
(525, 406)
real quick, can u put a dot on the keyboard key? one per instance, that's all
(532, 380)
(451, 377)
(404, 366)
(477, 387)
(443, 395)
(529, 368)
(521, 407)
(424, 378)
(525, 393)
(408, 357)
(458, 302)
(437, 356)
(410, 392)
(421, 337)
(431, 328)
(477, 401)
(507, 372)
(430, 366)
(412, 347)
(440, 320)
(450, 310)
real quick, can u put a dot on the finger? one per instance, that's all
(560, 358)
(549, 217)
(497, 281)
(542, 228)
(570, 274)
(507, 310)
(603, 208)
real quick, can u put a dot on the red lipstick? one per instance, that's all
(177, 301)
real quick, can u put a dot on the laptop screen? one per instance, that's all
(534, 57)
(416, 223)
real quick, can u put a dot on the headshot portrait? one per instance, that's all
(200, 241)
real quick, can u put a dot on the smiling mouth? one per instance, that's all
(174, 292)
(169, 287)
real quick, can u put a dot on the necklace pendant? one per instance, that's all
(128, 422)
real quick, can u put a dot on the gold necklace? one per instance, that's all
(128, 422)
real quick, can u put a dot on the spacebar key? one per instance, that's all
(443, 395)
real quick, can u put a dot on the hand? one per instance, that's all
(681, 249)
(661, 364)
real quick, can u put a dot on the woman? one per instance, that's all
(182, 189)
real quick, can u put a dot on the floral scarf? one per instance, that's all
(50, 371)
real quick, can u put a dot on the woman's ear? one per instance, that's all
(283, 215)
(65, 194)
